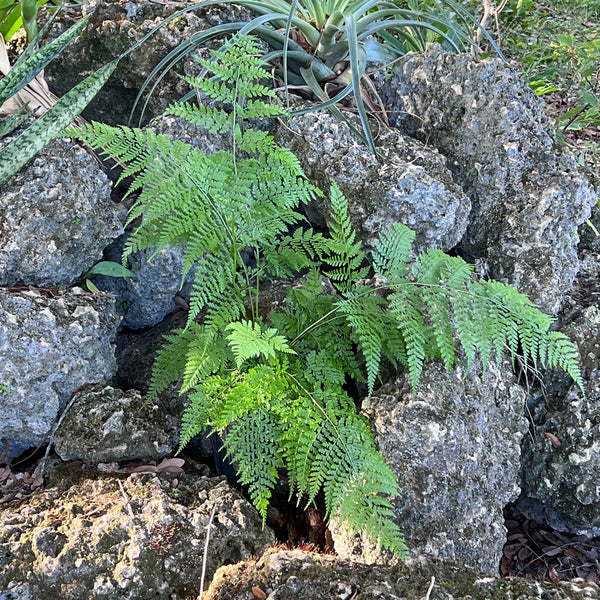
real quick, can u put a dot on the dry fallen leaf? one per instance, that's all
(258, 593)
(556, 443)
(553, 575)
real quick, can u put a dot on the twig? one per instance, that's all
(127, 500)
(42, 465)
(428, 594)
(489, 11)
(203, 574)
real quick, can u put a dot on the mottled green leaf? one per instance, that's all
(16, 155)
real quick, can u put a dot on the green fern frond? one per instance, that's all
(257, 109)
(323, 370)
(365, 314)
(345, 256)
(213, 284)
(205, 354)
(211, 119)
(248, 340)
(222, 310)
(561, 352)
(406, 306)
(293, 253)
(393, 252)
(170, 361)
(438, 310)
(243, 392)
(195, 418)
(252, 440)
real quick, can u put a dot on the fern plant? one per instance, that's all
(275, 388)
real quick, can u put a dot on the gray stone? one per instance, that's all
(56, 217)
(409, 184)
(588, 278)
(113, 29)
(50, 346)
(296, 575)
(133, 538)
(528, 194)
(454, 449)
(146, 299)
(564, 478)
(108, 425)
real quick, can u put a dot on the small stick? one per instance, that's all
(126, 499)
(428, 594)
(42, 466)
(212, 516)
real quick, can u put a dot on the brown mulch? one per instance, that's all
(15, 484)
(537, 552)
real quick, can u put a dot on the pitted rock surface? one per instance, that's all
(296, 575)
(125, 539)
(410, 185)
(528, 194)
(56, 217)
(50, 347)
(114, 28)
(109, 425)
(146, 299)
(564, 478)
(454, 449)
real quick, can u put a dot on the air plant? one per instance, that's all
(325, 47)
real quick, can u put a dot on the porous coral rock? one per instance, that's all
(50, 346)
(563, 476)
(411, 184)
(56, 217)
(129, 539)
(105, 424)
(296, 575)
(455, 449)
(528, 194)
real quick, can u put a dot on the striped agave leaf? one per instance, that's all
(22, 73)
(16, 155)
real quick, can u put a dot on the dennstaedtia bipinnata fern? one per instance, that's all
(276, 388)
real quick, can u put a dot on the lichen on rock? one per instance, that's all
(125, 539)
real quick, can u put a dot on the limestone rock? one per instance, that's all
(129, 539)
(455, 451)
(528, 195)
(411, 185)
(108, 425)
(50, 346)
(56, 217)
(296, 575)
(564, 478)
(113, 29)
(145, 300)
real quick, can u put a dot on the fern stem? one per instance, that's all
(257, 258)
(317, 323)
(324, 319)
